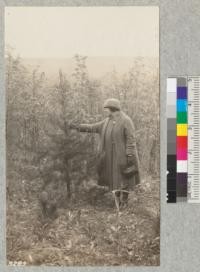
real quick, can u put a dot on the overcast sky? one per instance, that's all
(61, 32)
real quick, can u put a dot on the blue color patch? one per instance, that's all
(181, 105)
(181, 92)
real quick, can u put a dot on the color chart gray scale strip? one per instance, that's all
(171, 140)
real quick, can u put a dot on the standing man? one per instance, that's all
(118, 165)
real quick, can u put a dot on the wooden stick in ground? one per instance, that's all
(116, 200)
(120, 196)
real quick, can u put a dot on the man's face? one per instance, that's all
(107, 112)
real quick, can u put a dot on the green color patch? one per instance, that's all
(181, 117)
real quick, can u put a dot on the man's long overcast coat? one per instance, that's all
(123, 144)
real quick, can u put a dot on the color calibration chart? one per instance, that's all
(183, 139)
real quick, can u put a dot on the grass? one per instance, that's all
(86, 234)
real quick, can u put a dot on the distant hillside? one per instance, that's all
(97, 66)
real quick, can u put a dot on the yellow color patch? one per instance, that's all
(181, 130)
